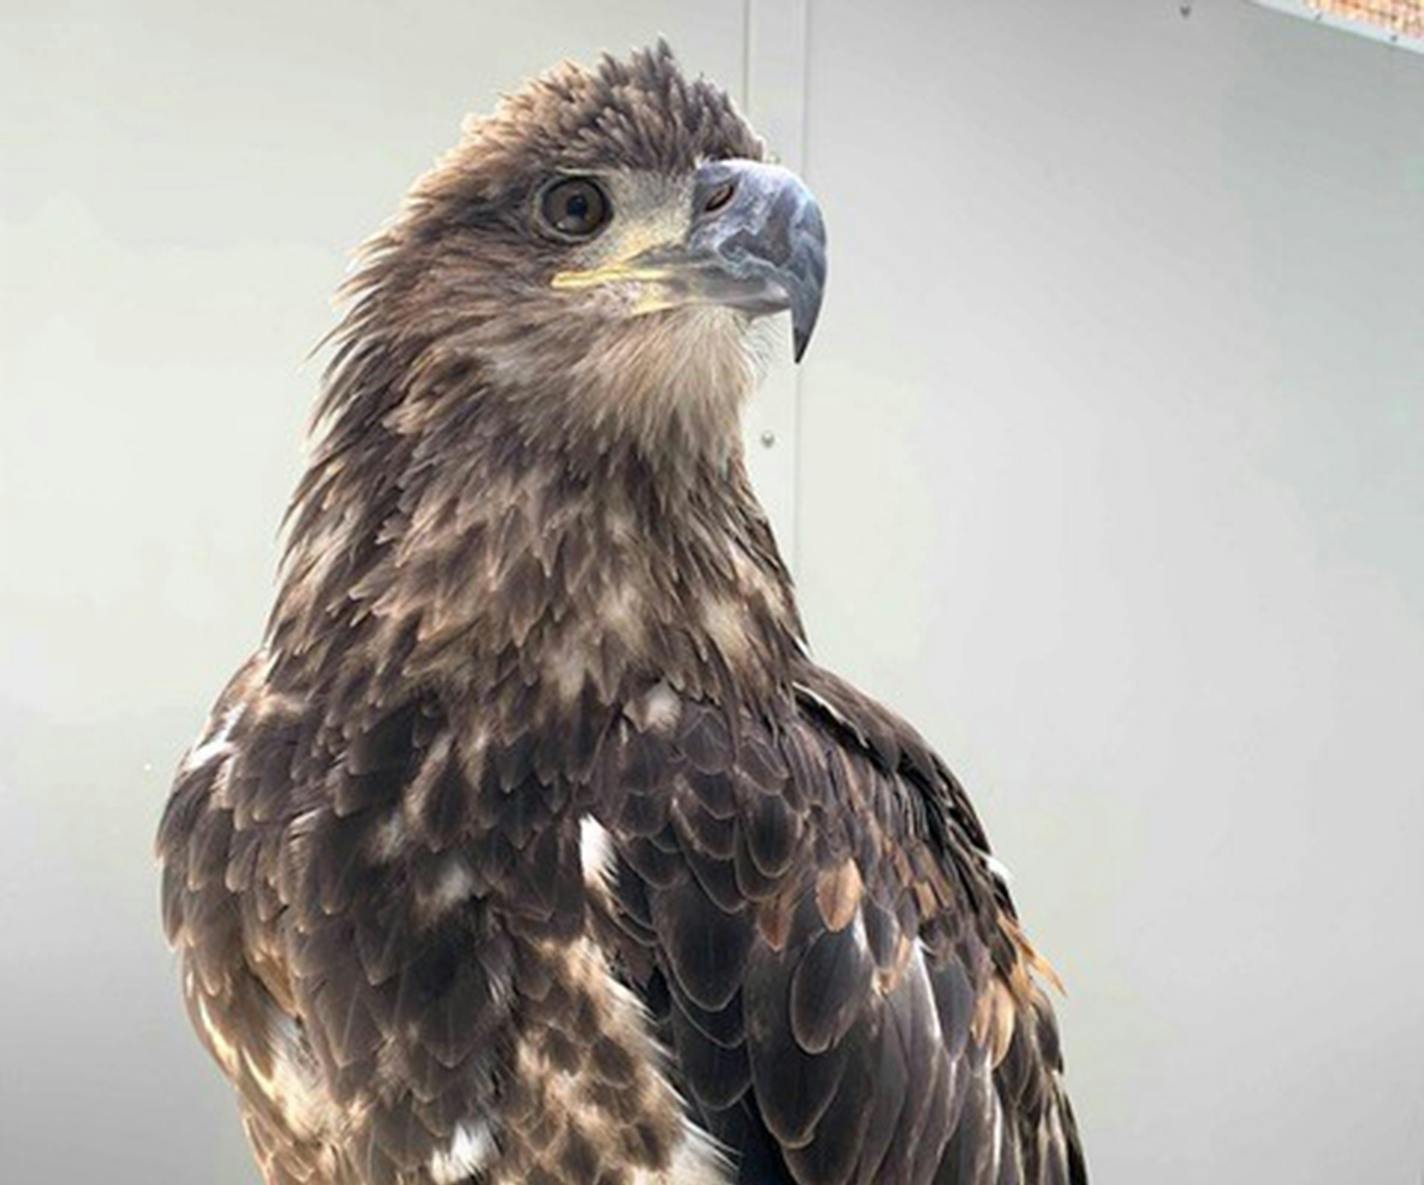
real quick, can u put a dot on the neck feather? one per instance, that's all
(436, 538)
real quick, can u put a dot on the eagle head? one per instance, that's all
(593, 257)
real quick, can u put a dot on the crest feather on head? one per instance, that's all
(636, 113)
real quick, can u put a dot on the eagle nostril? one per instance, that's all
(719, 197)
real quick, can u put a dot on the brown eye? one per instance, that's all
(719, 197)
(576, 208)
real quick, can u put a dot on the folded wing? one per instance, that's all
(807, 906)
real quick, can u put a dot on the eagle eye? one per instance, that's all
(575, 208)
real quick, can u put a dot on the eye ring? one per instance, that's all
(574, 208)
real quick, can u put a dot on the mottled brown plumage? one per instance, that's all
(531, 846)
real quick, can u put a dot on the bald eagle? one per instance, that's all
(531, 846)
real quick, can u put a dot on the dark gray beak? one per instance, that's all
(761, 242)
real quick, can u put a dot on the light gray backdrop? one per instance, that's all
(1105, 468)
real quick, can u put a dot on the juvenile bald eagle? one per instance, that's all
(531, 846)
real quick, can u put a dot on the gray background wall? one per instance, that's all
(1104, 468)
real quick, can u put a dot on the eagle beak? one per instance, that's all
(757, 243)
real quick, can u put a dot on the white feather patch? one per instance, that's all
(595, 852)
(224, 1050)
(832, 711)
(466, 1154)
(660, 708)
(998, 868)
(455, 883)
(213, 744)
(699, 1160)
(919, 968)
(294, 1082)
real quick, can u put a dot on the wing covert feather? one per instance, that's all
(836, 969)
